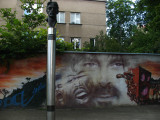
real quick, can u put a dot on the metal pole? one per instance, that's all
(51, 62)
(52, 10)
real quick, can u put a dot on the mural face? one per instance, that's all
(89, 80)
(83, 80)
(99, 79)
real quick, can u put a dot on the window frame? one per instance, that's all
(93, 42)
(59, 17)
(74, 43)
(75, 18)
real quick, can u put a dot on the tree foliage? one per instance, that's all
(146, 39)
(121, 16)
(62, 46)
(26, 36)
(103, 43)
(23, 36)
(133, 27)
(152, 14)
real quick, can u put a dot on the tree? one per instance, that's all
(103, 43)
(152, 14)
(62, 46)
(4, 92)
(23, 36)
(28, 36)
(28, 79)
(146, 39)
(135, 26)
(121, 17)
(120, 21)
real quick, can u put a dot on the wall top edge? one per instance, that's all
(84, 52)
(114, 53)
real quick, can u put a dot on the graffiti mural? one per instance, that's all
(22, 98)
(23, 84)
(83, 80)
(142, 88)
(89, 80)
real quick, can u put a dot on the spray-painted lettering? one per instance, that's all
(12, 101)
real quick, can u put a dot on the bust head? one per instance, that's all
(52, 9)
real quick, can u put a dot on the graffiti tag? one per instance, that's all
(12, 101)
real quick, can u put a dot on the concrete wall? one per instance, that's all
(82, 80)
(8, 3)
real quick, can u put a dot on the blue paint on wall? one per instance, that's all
(23, 102)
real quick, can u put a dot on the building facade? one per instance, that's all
(81, 20)
(78, 20)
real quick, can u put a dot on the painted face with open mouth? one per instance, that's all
(78, 90)
(59, 94)
(81, 95)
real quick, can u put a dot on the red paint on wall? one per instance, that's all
(29, 67)
(136, 79)
(153, 67)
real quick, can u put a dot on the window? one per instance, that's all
(76, 43)
(61, 17)
(75, 18)
(92, 42)
(34, 6)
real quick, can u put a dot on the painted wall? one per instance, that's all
(82, 80)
